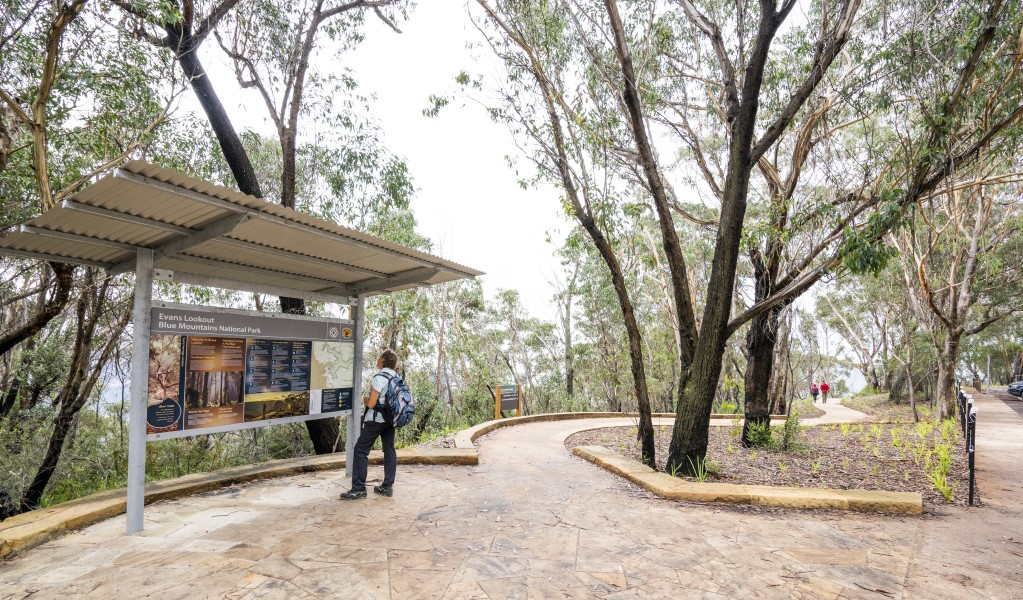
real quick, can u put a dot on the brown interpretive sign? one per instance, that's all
(216, 371)
(507, 397)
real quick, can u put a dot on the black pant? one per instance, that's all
(370, 432)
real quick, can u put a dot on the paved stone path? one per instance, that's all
(532, 521)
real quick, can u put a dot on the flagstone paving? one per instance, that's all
(532, 521)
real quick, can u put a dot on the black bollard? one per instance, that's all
(971, 446)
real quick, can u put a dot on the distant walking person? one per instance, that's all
(376, 424)
(814, 390)
(825, 388)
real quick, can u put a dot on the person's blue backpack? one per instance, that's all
(398, 400)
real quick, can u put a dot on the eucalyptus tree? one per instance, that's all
(549, 103)
(79, 99)
(947, 138)
(182, 26)
(274, 51)
(967, 260)
(607, 44)
(49, 146)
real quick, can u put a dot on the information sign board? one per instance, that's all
(213, 370)
(507, 397)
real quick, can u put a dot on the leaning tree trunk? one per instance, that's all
(230, 144)
(324, 433)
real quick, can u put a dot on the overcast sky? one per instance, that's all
(468, 199)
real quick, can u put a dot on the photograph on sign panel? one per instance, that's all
(213, 381)
(276, 405)
(164, 397)
(333, 365)
(208, 390)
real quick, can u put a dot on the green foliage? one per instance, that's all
(759, 435)
(791, 431)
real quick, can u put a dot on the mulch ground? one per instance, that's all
(858, 456)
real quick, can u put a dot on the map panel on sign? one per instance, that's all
(332, 365)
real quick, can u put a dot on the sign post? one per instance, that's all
(508, 397)
(138, 391)
(354, 422)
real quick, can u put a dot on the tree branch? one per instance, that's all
(713, 33)
(827, 52)
(212, 20)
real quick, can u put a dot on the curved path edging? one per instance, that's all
(464, 439)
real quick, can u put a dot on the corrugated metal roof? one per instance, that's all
(204, 230)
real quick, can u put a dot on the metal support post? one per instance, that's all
(355, 419)
(139, 390)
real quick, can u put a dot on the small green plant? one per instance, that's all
(949, 431)
(943, 484)
(783, 467)
(754, 455)
(729, 407)
(759, 435)
(673, 469)
(713, 468)
(896, 442)
(815, 467)
(699, 469)
(790, 431)
(844, 427)
(877, 431)
(730, 450)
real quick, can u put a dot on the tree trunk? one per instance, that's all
(230, 144)
(46, 312)
(34, 493)
(569, 356)
(946, 398)
(692, 419)
(912, 395)
(760, 343)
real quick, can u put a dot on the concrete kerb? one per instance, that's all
(666, 486)
(464, 439)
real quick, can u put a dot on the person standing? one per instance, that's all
(814, 391)
(376, 423)
(825, 388)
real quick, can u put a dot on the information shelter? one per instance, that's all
(200, 369)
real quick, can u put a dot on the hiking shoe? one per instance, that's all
(353, 495)
(384, 490)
